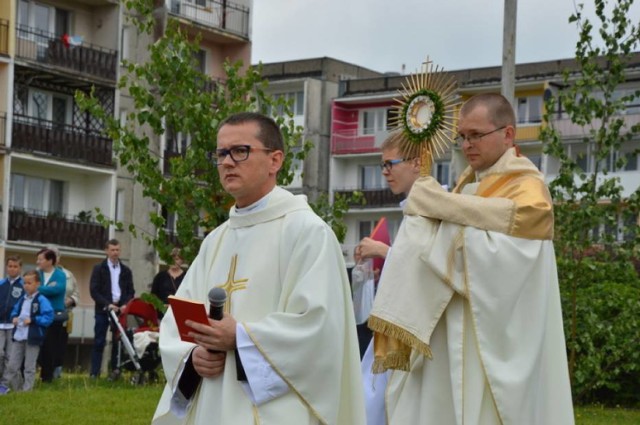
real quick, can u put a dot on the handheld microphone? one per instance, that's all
(217, 298)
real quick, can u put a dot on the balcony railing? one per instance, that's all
(51, 50)
(224, 15)
(569, 129)
(374, 198)
(350, 142)
(4, 37)
(65, 141)
(54, 228)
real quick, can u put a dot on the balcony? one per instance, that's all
(4, 37)
(69, 142)
(350, 142)
(54, 228)
(50, 50)
(374, 198)
(223, 15)
(568, 129)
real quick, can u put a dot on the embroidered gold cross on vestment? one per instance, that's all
(232, 285)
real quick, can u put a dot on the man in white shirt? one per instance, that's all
(111, 288)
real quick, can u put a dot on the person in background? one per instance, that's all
(54, 287)
(31, 316)
(11, 289)
(111, 288)
(400, 174)
(72, 297)
(167, 282)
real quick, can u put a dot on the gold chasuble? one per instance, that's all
(468, 307)
(287, 286)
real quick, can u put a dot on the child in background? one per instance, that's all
(10, 292)
(31, 316)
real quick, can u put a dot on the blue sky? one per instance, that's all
(385, 34)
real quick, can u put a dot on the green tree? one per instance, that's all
(171, 96)
(596, 217)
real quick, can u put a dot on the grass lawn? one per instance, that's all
(77, 399)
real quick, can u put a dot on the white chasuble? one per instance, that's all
(287, 284)
(473, 291)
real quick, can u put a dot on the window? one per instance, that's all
(529, 109)
(442, 172)
(125, 41)
(373, 120)
(178, 142)
(119, 205)
(295, 100)
(37, 195)
(580, 154)
(614, 161)
(43, 17)
(371, 177)
(630, 160)
(201, 60)
(536, 159)
(365, 228)
(170, 220)
(43, 105)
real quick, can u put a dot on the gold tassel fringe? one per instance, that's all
(393, 331)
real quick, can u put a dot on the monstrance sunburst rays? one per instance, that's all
(425, 117)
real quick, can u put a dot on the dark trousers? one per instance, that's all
(50, 350)
(364, 337)
(100, 328)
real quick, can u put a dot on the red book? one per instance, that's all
(183, 310)
(381, 234)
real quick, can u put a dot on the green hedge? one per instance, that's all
(607, 337)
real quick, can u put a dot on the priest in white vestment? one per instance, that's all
(467, 313)
(288, 315)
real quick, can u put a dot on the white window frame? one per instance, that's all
(379, 116)
(371, 178)
(525, 114)
(49, 96)
(28, 184)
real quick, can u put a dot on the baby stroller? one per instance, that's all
(137, 339)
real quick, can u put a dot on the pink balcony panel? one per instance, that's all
(349, 142)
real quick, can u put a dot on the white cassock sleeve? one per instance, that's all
(179, 403)
(263, 383)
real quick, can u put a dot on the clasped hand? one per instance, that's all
(213, 342)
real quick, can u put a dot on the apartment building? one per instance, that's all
(360, 119)
(57, 166)
(310, 85)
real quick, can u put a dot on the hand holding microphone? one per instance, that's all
(217, 298)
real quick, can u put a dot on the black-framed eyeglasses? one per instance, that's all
(475, 137)
(388, 164)
(237, 153)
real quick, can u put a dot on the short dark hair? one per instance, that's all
(49, 254)
(33, 273)
(498, 107)
(111, 242)
(269, 134)
(14, 258)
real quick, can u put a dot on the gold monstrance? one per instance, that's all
(425, 115)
